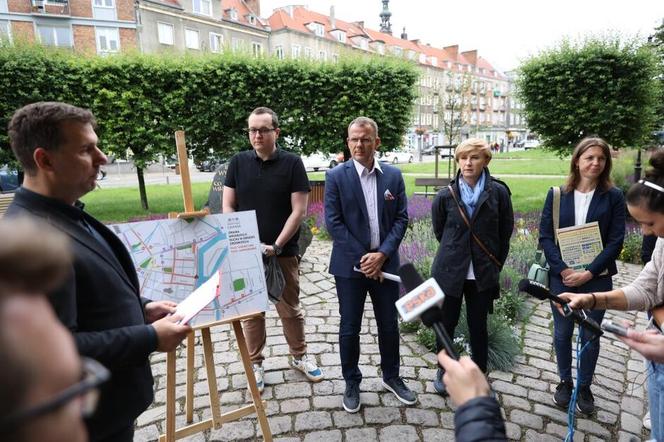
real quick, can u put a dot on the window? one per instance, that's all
(108, 40)
(237, 44)
(165, 33)
(295, 51)
(55, 35)
(216, 42)
(279, 52)
(104, 9)
(364, 44)
(5, 31)
(307, 52)
(203, 7)
(3, 6)
(233, 14)
(317, 29)
(380, 47)
(252, 19)
(103, 3)
(335, 57)
(256, 49)
(191, 40)
(340, 35)
(322, 55)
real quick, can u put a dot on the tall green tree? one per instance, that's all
(140, 100)
(600, 86)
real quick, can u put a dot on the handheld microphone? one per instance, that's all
(539, 291)
(423, 300)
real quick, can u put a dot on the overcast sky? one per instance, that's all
(503, 32)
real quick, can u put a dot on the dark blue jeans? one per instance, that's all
(563, 329)
(352, 293)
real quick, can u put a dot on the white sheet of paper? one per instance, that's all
(199, 298)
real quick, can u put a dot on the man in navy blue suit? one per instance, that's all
(365, 213)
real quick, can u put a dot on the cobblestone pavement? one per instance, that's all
(301, 411)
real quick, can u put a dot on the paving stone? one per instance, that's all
(532, 383)
(632, 405)
(295, 405)
(401, 433)
(292, 390)
(343, 419)
(232, 431)
(592, 427)
(427, 418)
(313, 420)
(630, 423)
(561, 431)
(447, 420)
(512, 431)
(151, 415)
(437, 435)
(146, 434)
(361, 435)
(534, 436)
(506, 387)
(381, 415)
(327, 402)
(552, 413)
(628, 437)
(323, 436)
(528, 419)
(509, 401)
(278, 425)
(430, 401)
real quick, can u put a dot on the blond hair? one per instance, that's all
(472, 145)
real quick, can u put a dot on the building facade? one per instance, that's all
(91, 26)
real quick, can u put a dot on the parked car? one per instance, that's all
(531, 144)
(320, 160)
(9, 180)
(398, 156)
(210, 164)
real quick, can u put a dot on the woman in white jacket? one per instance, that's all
(645, 201)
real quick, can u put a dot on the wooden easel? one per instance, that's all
(218, 418)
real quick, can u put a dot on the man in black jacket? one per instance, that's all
(99, 303)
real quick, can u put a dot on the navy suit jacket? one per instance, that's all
(607, 208)
(347, 220)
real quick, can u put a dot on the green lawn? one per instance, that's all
(502, 164)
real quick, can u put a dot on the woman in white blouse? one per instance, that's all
(587, 196)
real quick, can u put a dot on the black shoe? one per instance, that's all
(351, 400)
(398, 387)
(563, 394)
(438, 383)
(585, 402)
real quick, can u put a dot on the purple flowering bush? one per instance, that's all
(315, 219)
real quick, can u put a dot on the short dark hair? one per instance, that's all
(266, 110)
(38, 125)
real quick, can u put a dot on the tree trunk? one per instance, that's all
(141, 188)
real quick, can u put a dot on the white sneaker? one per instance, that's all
(646, 421)
(259, 371)
(307, 366)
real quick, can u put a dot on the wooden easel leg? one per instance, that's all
(212, 377)
(251, 380)
(170, 396)
(189, 401)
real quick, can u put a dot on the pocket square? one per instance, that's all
(388, 195)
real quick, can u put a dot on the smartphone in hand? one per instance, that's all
(614, 328)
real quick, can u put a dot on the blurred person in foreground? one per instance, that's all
(477, 417)
(100, 300)
(45, 387)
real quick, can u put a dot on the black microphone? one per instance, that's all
(540, 291)
(423, 301)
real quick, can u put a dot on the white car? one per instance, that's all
(319, 160)
(397, 156)
(531, 144)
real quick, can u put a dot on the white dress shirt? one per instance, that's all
(581, 205)
(370, 191)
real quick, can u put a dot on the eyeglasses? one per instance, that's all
(94, 374)
(263, 131)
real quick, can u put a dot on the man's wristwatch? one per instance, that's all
(277, 249)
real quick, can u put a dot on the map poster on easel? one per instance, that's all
(173, 257)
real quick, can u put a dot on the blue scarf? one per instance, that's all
(470, 195)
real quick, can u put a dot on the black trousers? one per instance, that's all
(477, 310)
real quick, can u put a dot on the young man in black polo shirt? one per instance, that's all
(274, 184)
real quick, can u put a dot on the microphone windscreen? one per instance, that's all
(410, 277)
(534, 289)
(430, 316)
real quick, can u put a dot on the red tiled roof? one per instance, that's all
(242, 12)
(297, 17)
